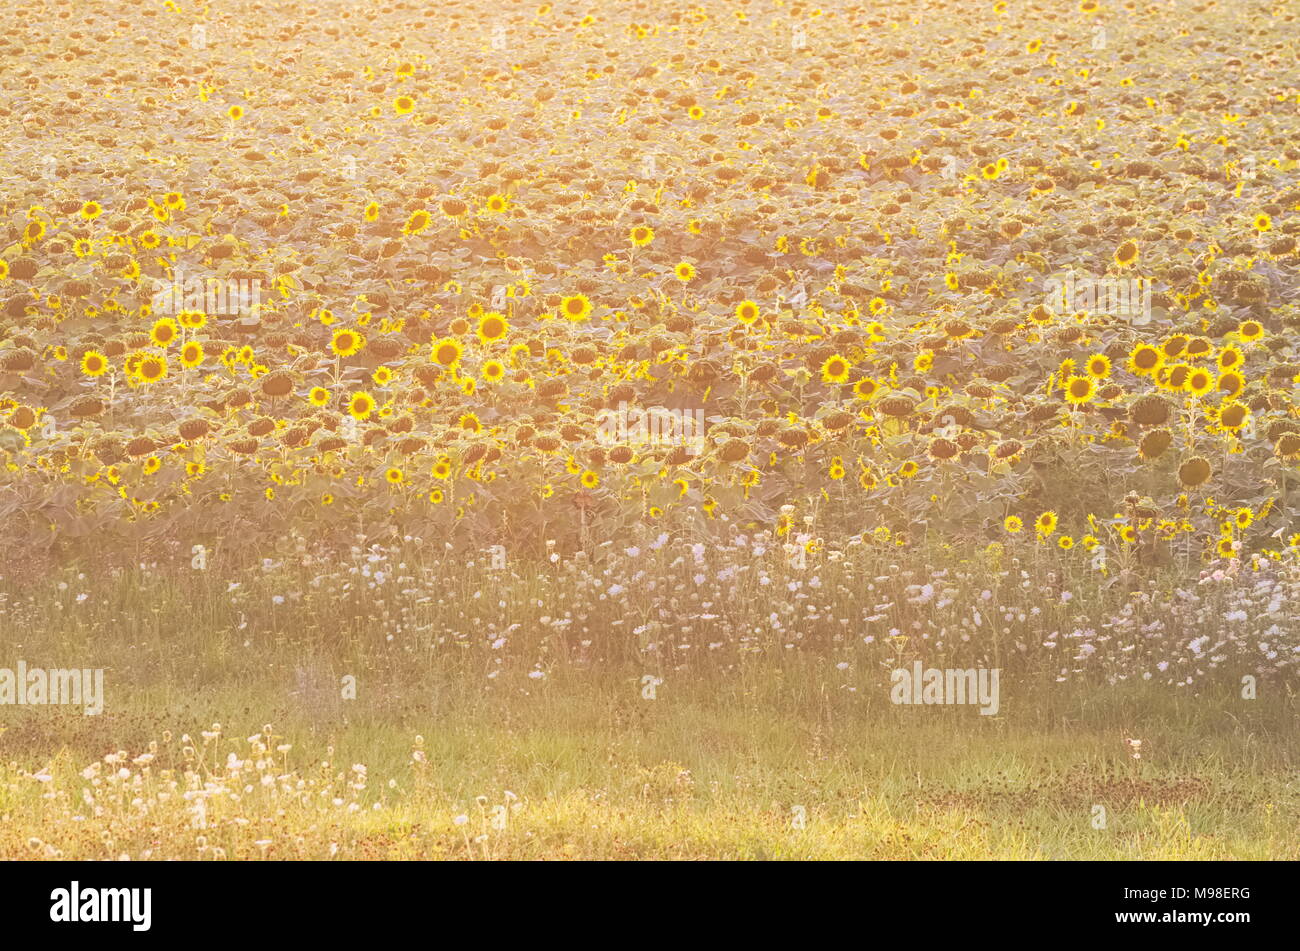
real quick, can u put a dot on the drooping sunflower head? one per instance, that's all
(1127, 253)
(1231, 383)
(417, 222)
(1195, 471)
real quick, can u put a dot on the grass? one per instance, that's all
(766, 762)
(305, 711)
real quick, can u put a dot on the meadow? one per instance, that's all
(496, 430)
(432, 708)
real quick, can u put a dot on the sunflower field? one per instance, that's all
(286, 283)
(828, 229)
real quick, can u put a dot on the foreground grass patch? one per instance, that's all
(581, 766)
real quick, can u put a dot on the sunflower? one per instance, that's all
(318, 396)
(442, 469)
(382, 376)
(685, 271)
(492, 327)
(576, 308)
(866, 388)
(235, 112)
(835, 370)
(360, 405)
(191, 354)
(1250, 330)
(151, 368)
(1046, 523)
(590, 479)
(417, 222)
(1233, 416)
(394, 476)
(371, 211)
(453, 207)
(1144, 360)
(1195, 471)
(1231, 383)
(435, 496)
(908, 469)
(1154, 444)
(1226, 547)
(1080, 390)
(447, 351)
(164, 332)
(642, 235)
(1013, 524)
(470, 422)
(94, 363)
(1262, 223)
(497, 204)
(91, 210)
(1230, 357)
(403, 105)
(1065, 542)
(1199, 382)
(1098, 366)
(747, 312)
(493, 371)
(346, 342)
(1127, 253)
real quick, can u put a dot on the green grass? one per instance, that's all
(758, 751)
(713, 767)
